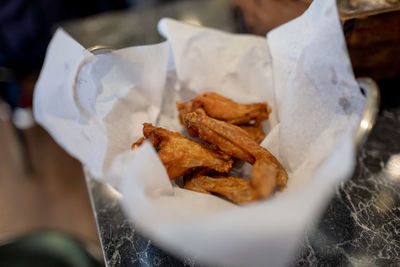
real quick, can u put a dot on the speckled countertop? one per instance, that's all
(361, 225)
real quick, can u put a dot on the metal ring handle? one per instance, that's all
(371, 91)
(100, 49)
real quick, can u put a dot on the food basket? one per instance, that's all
(320, 114)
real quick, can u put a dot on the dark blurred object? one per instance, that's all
(374, 47)
(26, 28)
(261, 16)
(371, 27)
(46, 250)
(372, 31)
(374, 44)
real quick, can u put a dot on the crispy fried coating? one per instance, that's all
(184, 109)
(222, 108)
(237, 190)
(180, 154)
(248, 116)
(264, 177)
(231, 139)
(138, 143)
(221, 134)
(254, 131)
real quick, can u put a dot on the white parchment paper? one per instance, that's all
(94, 107)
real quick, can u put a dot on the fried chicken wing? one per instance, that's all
(248, 116)
(234, 141)
(201, 126)
(222, 108)
(180, 154)
(254, 131)
(237, 190)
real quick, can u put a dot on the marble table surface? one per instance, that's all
(361, 225)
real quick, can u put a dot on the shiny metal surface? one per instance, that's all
(371, 91)
(349, 9)
(100, 49)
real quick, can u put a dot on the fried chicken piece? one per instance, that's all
(237, 190)
(138, 143)
(222, 108)
(254, 131)
(180, 154)
(234, 141)
(247, 116)
(202, 126)
(184, 109)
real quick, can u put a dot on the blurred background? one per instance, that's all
(43, 195)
